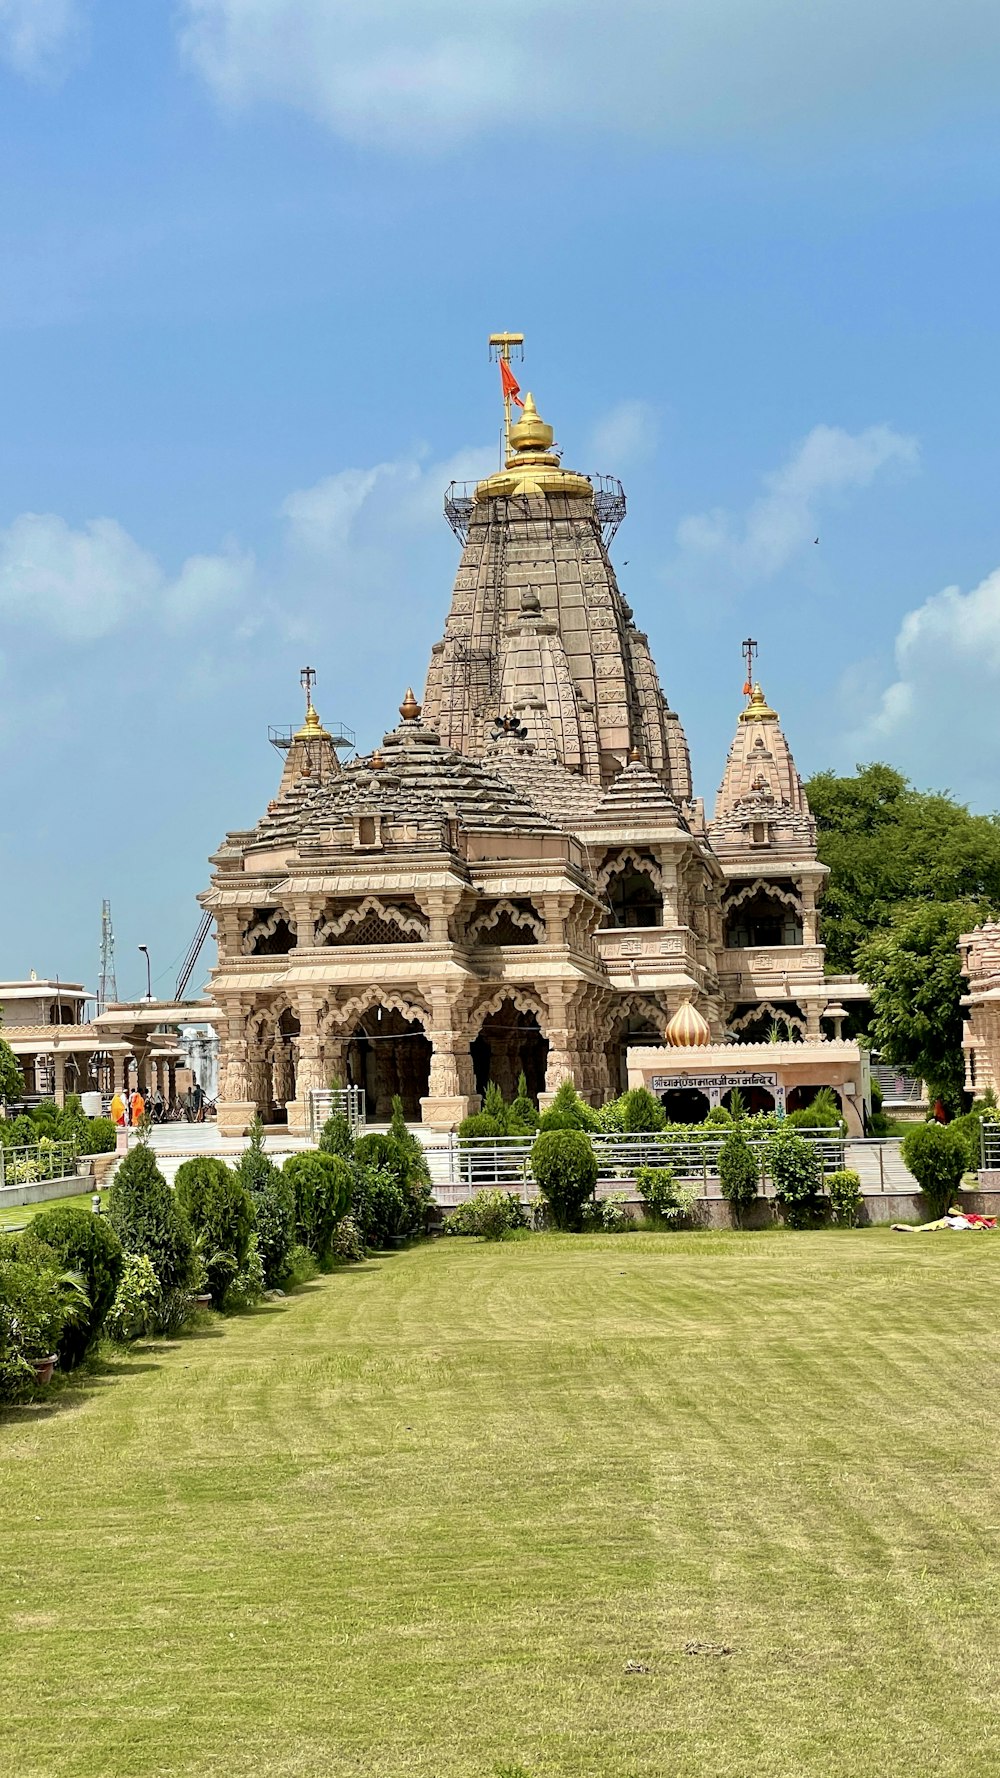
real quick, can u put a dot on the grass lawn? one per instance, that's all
(15, 1216)
(420, 1518)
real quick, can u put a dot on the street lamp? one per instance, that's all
(149, 979)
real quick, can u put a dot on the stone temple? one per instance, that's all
(519, 878)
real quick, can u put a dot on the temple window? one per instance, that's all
(763, 918)
(507, 923)
(269, 935)
(633, 900)
(367, 830)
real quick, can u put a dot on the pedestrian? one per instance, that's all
(138, 1107)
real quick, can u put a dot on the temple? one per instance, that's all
(519, 879)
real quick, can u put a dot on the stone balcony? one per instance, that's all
(650, 955)
(762, 970)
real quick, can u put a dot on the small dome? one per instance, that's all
(531, 432)
(688, 1029)
(409, 709)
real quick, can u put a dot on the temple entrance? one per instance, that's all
(639, 1029)
(283, 1066)
(510, 1043)
(685, 1105)
(754, 1099)
(389, 1054)
(800, 1098)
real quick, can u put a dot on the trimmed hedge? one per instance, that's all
(77, 1241)
(565, 1168)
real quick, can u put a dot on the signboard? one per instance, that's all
(665, 1083)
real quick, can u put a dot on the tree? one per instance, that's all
(914, 972)
(323, 1185)
(145, 1217)
(11, 1078)
(888, 844)
(221, 1213)
(937, 1156)
(739, 1175)
(274, 1204)
(72, 1240)
(565, 1167)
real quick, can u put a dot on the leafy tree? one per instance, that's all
(336, 1136)
(73, 1240)
(494, 1107)
(11, 1078)
(146, 1218)
(642, 1111)
(915, 976)
(739, 1175)
(410, 1147)
(887, 844)
(220, 1211)
(565, 1167)
(323, 1185)
(937, 1156)
(568, 1111)
(797, 1172)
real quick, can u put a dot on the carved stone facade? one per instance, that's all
(981, 1040)
(519, 879)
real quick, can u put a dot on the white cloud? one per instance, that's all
(626, 434)
(728, 552)
(937, 718)
(38, 36)
(357, 506)
(433, 72)
(84, 584)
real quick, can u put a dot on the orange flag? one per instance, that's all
(509, 383)
(747, 689)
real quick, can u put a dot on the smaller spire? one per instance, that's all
(312, 729)
(409, 709)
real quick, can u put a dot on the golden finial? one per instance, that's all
(530, 432)
(635, 757)
(758, 709)
(312, 729)
(376, 762)
(409, 709)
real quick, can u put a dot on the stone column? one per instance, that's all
(310, 1072)
(563, 1060)
(807, 894)
(59, 1073)
(451, 1094)
(119, 1074)
(814, 1030)
(235, 1108)
(171, 1092)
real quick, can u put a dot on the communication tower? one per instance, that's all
(107, 987)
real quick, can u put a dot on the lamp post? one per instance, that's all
(149, 979)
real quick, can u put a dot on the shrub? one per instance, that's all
(404, 1158)
(146, 1218)
(301, 1267)
(247, 1287)
(221, 1214)
(37, 1304)
(607, 1216)
(568, 1111)
(822, 1113)
(323, 1185)
(844, 1188)
(522, 1115)
(480, 1123)
(641, 1111)
(667, 1199)
(380, 1206)
(274, 1206)
(797, 1172)
(410, 1147)
(494, 1106)
(348, 1246)
(937, 1155)
(97, 1135)
(136, 1306)
(80, 1242)
(739, 1175)
(565, 1168)
(490, 1214)
(337, 1137)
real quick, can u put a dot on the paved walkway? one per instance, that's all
(880, 1166)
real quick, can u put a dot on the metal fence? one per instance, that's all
(989, 1135)
(35, 1161)
(324, 1101)
(472, 1162)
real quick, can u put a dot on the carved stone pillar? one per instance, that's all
(807, 894)
(235, 1107)
(59, 1070)
(310, 1072)
(451, 1094)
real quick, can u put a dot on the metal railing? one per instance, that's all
(32, 1162)
(989, 1136)
(477, 1161)
(324, 1101)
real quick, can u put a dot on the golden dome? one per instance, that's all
(758, 709)
(531, 432)
(409, 709)
(312, 729)
(688, 1029)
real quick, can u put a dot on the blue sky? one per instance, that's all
(251, 253)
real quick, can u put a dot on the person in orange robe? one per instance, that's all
(117, 1109)
(138, 1107)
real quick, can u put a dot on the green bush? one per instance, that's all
(937, 1155)
(844, 1189)
(568, 1111)
(565, 1168)
(822, 1113)
(797, 1173)
(80, 1242)
(323, 1186)
(135, 1309)
(667, 1198)
(348, 1245)
(220, 1212)
(607, 1216)
(248, 1286)
(479, 1123)
(37, 1305)
(739, 1175)
(411, 1149)
(382, 1208)
(641, 1111)
(337, 1137)
(494, 1106)
(490, 1214)
(522, 1115)
(274, 1206)
(970, 1125)
(146, 1218)
(98, 1135)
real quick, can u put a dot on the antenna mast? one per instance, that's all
(107, 987)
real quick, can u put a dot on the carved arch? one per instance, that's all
(528, 918)
(644, 1006)
(642, 865)
(331, 928)
(760, 885)
(265, 926)
(351, 1010)
(524, 1002)
(779, 1014)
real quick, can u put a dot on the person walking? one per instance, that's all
(138, 1107)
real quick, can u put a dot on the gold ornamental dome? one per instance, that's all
(688, 1029)
(758, 709)
(532, 466)
(531, 432)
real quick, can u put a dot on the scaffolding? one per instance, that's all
(609, 506)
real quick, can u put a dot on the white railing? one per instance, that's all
(477, 1161)
(35, 1161)
(324, 1101)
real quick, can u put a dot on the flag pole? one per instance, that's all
(504, 346)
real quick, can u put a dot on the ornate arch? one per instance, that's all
(524, 1002)
(761, 884)
(351, 1010)
(643, 1005)
(644, 866)
(528, 918)
(329, 928)
(265, 926)
(779, 1014)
